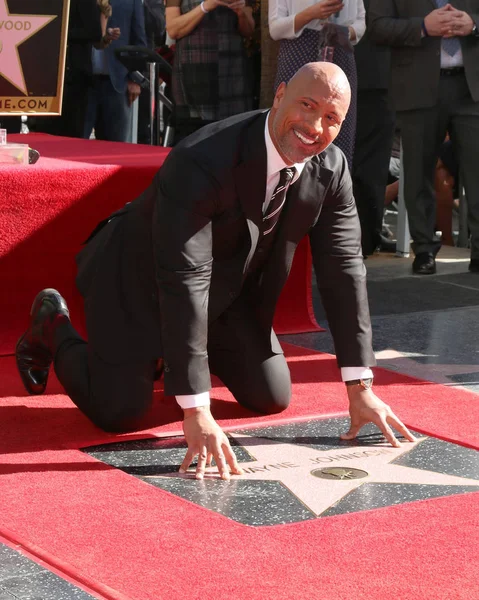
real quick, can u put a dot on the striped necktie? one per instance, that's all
(273, 211)
(450, 45)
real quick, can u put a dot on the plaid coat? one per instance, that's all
(211, 75)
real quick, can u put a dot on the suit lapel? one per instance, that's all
(304, 199)
(250, 180)
(303, 206)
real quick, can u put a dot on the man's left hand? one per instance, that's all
(133, 92)
(365, 407)
(461, 24)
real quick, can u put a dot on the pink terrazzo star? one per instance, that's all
(14, 30)
(293, 465)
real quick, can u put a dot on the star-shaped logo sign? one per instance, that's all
(14, 30)
(302, 471)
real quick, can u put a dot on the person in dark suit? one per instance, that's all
(191, 272)
(374, 138)
(113, 92)
(84, 30)
(435, 85)
(11, 124)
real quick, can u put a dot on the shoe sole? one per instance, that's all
(420, 273)
(23, 376)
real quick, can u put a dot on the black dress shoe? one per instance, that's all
(474, 265)
(34, 349)
(424, 264)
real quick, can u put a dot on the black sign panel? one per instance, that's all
(33, 37)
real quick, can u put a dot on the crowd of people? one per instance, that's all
(412, 69)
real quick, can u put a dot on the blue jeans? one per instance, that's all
(108, 112)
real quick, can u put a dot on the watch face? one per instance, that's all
(367, 383)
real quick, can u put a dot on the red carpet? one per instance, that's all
(48, 209)
(128, 540)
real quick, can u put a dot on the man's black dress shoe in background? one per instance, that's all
(424, 264)
(34, 349)
(474, 265)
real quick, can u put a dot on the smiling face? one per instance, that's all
(308, 112)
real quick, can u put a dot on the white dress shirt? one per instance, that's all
(274, 165)
(448, 61)
(281, 14)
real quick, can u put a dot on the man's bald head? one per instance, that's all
(308, 112)
(327, 73)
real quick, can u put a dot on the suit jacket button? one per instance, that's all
(167, 369)
(232, 295)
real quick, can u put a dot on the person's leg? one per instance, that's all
(91, 108)
(114, 397)
(444, 186)
(75, 103)
(422, 133)
(115, 125)
(374, 137)
(240, 355)
(392, 192)
(464, 131)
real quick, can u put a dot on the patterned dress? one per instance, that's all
(211, 79)
(312, 46)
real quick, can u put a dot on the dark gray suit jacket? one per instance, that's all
(373, 61)
(177, 257)
(416, 60)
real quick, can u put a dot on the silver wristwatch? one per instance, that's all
(366, 384)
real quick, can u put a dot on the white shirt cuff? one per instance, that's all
(350, 373)
(194, 400)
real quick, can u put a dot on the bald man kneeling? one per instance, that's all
(186, 278)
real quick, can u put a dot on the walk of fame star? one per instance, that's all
(281, 463)
(14, 30)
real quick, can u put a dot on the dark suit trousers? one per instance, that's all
(108, 112)
(423, 132)
(374, 137)
(117, 397)
(71, 122)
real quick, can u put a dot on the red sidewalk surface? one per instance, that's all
(125, 539)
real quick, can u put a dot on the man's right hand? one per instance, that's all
(205, 438)
(438, 22)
